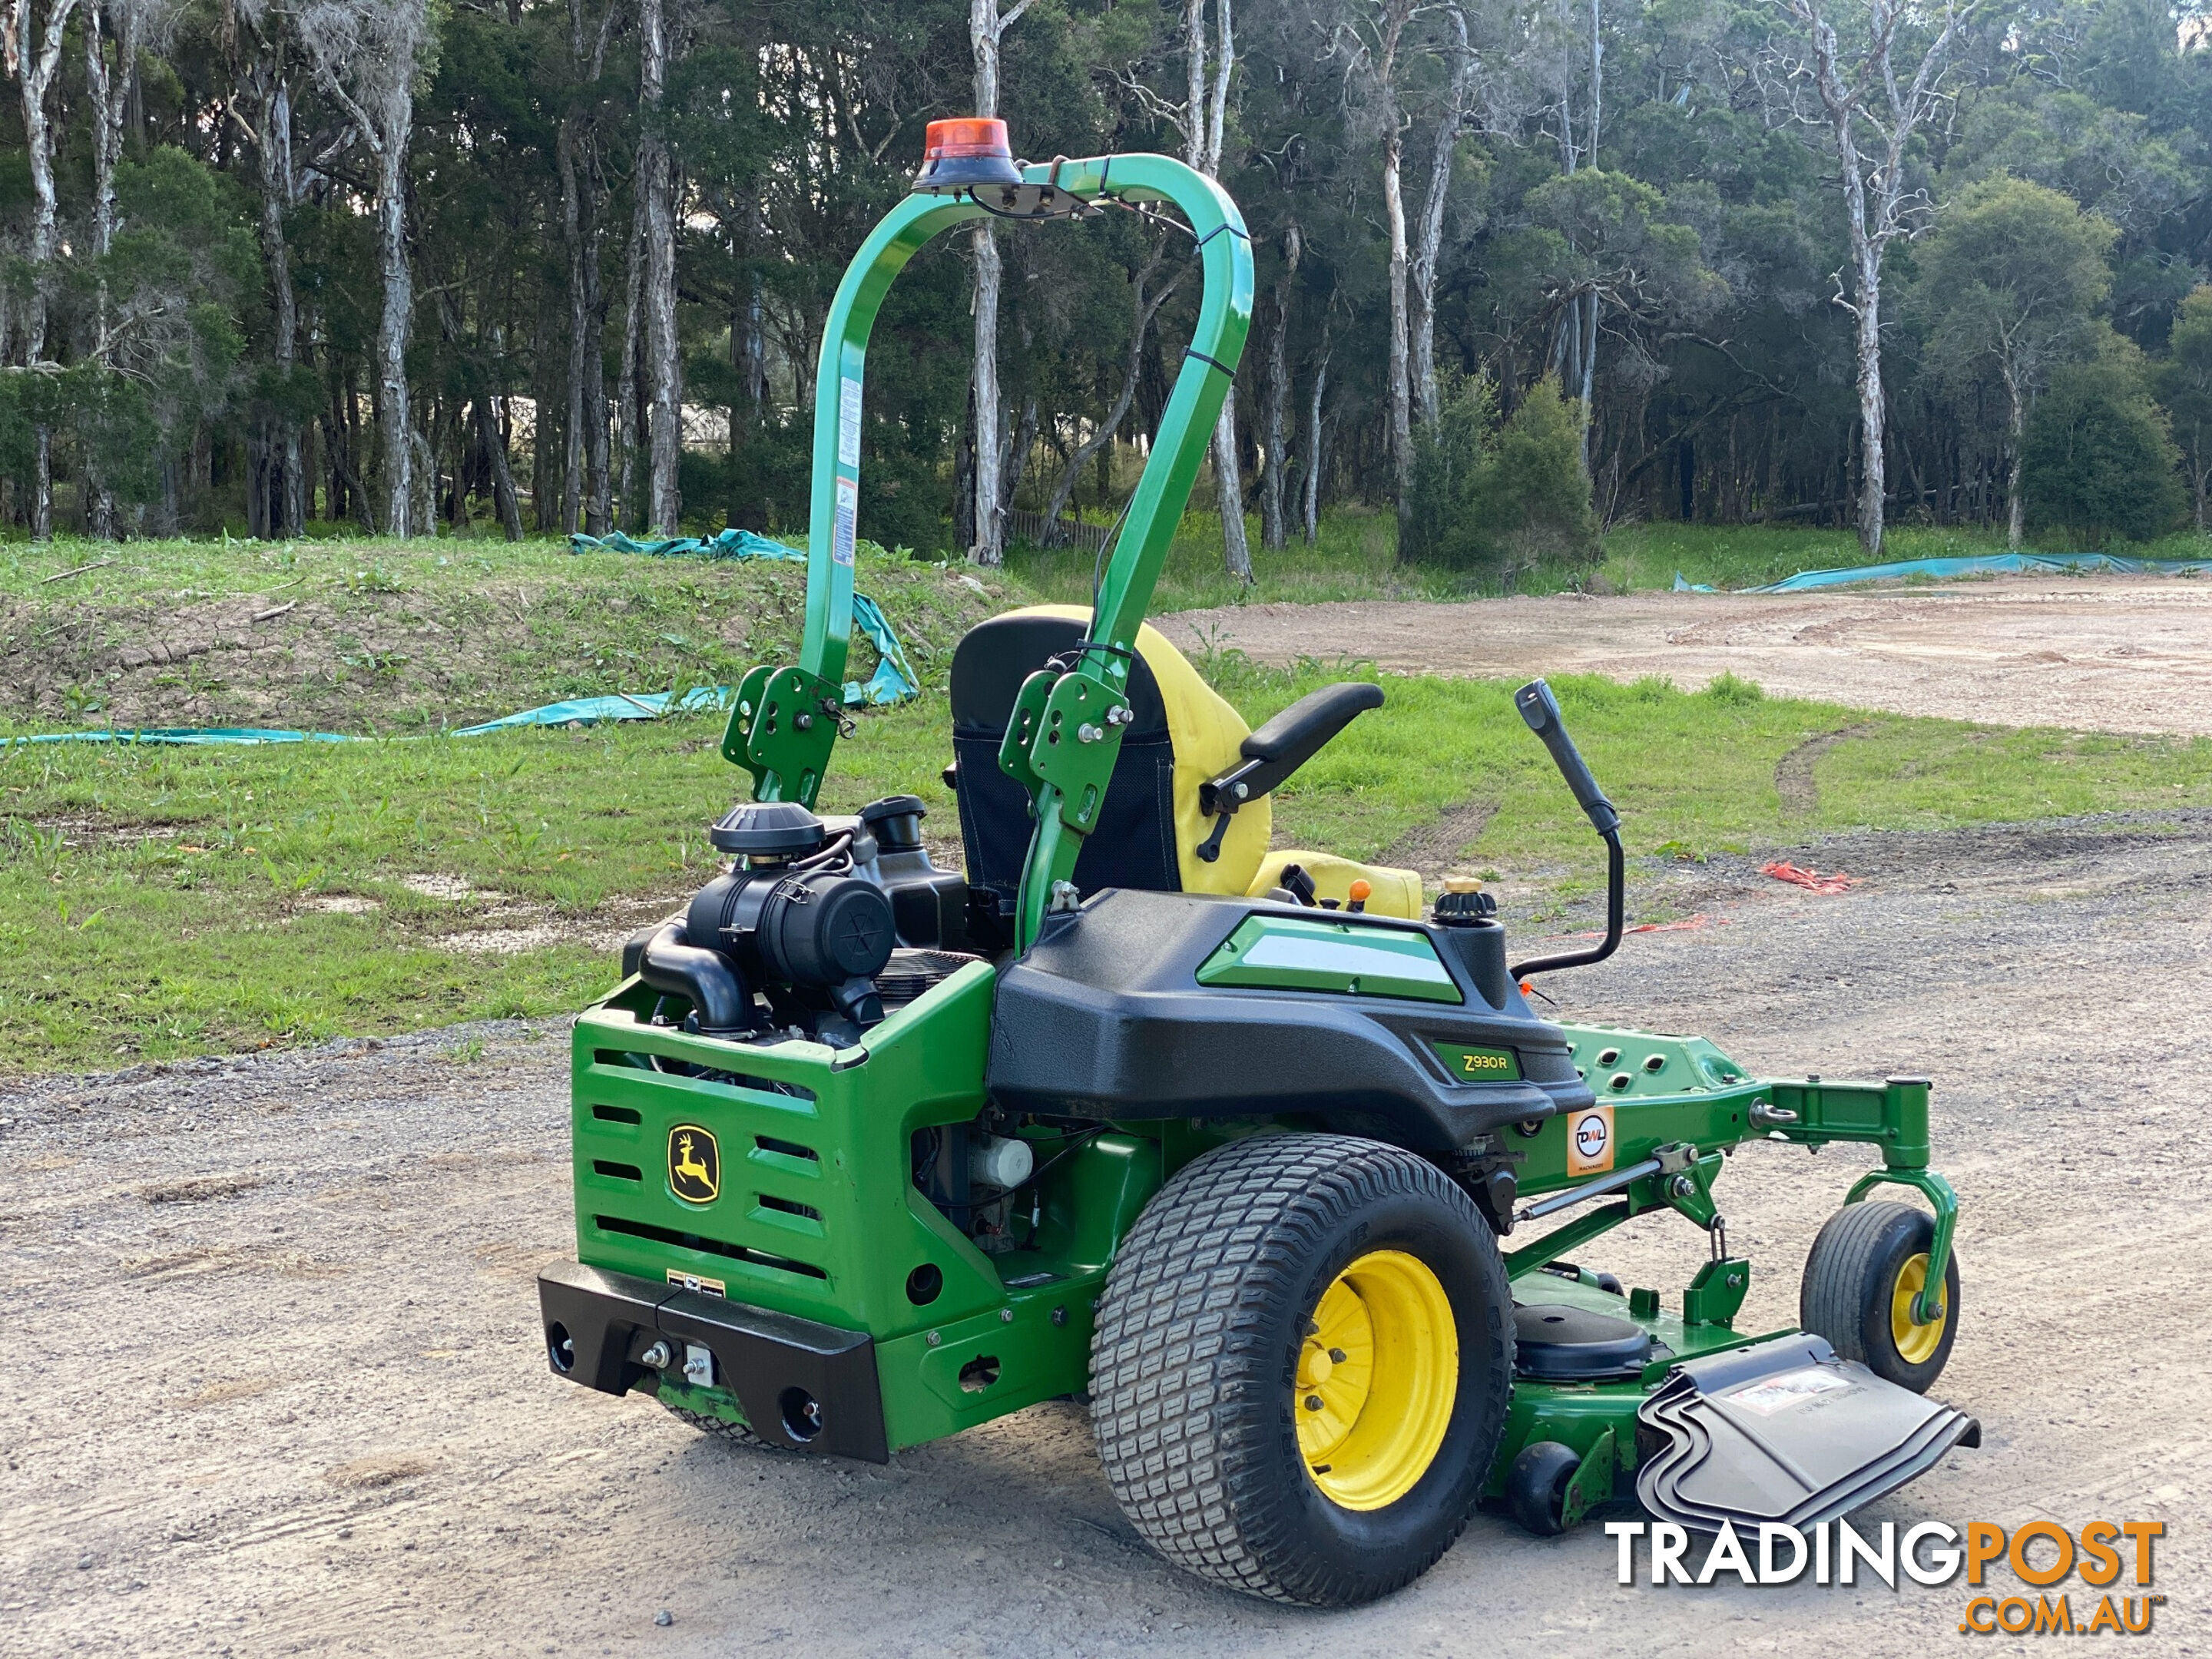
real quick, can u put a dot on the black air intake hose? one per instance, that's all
(705, 979)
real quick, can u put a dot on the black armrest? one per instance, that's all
(1295, 736)
(1286, 743)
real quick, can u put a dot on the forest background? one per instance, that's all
(1528, 270)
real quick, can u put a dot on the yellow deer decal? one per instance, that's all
(692, 1164)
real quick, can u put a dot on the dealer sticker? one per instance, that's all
(1589, 1140)
(1770, 1395)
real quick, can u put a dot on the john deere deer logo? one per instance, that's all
(695, 1164)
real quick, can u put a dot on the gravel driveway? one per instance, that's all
(2093, 653)
(274, 1384)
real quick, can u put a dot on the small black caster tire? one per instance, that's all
(1536, 1486)
(1300, 1368)
(1868, 1263)
(720, 1428)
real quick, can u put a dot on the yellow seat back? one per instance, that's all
(1206, 734)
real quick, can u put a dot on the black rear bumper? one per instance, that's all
(802, 1385)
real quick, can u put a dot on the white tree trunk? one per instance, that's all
(987, 26)
(1400, 389)
(1203, 136)
(34, 65)
(394, 420)
(1310, 517)
(989, 547)
(287, 488)
(663, 369)
(1428, 246)
(2016, 507)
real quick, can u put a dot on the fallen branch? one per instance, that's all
(271, 614)
(60, 575)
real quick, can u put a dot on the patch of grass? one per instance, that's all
(160, 903)
(155, 902)
(1356, 558)
(413, 636)
(1693, 774)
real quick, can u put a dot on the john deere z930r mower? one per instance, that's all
(1230, 1140)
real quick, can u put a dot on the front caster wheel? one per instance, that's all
(1536, 1486)
(1865, 1268)
(1300, 1368)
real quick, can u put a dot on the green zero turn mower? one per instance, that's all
(1230, 1141)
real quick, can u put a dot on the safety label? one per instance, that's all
(1770, 1395)
(849, 520)
(849, 422)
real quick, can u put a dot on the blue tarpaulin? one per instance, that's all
(590, 711)
(1976, 564)
(894, 679)
(577, 711)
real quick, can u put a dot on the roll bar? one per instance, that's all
(1065, 732)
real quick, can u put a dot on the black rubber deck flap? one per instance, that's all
(1785, 1431)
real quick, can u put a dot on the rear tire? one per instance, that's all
(720, 1428)
(1272, 1273)
(1867, 1264)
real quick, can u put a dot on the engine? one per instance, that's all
(813, 928)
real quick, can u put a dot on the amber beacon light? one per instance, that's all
(958, 155)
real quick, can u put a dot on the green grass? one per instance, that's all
(1355, 558)
(413, 636)
(157, 903)
(1752, 556)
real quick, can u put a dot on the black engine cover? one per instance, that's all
(1103, 1017)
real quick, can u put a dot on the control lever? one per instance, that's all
(1540, 710)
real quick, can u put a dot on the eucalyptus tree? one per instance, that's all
(2009, 282)
(33, 39)
(1871, 75)
(367, 55)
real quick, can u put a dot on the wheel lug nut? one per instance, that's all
(1336, 1356)
(1313, 1403)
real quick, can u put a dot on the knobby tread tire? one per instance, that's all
(1840, 1300)
(735, 1434)
(1191, 1382)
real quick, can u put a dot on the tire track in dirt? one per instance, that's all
(1792, 773)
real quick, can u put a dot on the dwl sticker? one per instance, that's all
(1589, 1141)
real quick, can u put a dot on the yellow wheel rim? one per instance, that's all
(1378, 1374)
(1915, 1343)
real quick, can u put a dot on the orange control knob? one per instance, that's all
(1360, 889)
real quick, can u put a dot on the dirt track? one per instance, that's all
(2110, 653)
(274, 1384)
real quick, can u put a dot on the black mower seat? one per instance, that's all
(1134, 843)
(1154, 822)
